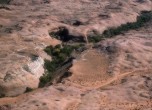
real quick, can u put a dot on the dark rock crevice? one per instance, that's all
(3, 2)
(63, 34)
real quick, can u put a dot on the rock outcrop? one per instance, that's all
(24, 33)
(92, 86)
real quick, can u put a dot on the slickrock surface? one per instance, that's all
(117, 75)
(25, 27)
(127, 87)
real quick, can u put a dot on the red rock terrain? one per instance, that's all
(116, 75)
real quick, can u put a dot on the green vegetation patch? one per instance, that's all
(59, 54)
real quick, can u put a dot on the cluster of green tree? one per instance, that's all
(59, 54)
(95, 38)
(145, 17)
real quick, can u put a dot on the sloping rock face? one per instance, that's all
(25, 27)
(92, 86)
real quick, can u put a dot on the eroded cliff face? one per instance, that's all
(116, 75)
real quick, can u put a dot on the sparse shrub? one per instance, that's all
(54, 35)
(28, 89)
(2, 95)
(95, 39)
